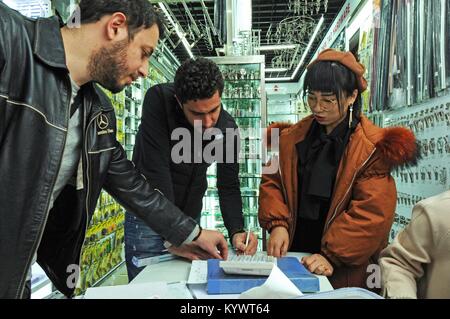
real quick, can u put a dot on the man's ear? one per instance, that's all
(117, 27)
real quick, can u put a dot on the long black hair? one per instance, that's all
(331, 76)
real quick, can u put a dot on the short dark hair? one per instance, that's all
(198, 79)
(331, 76)
(140, 13)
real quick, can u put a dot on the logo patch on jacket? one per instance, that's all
(102, 124)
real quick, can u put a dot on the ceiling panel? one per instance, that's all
(277, 20)
(268, 16)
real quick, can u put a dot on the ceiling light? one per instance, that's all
(268, 70)
(278, 79)
(308, 47)
(177, 30)
(277, 47)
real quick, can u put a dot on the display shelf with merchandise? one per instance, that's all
(429, 121)
(424, 103)
(244, 99)
(282, 108)
(31, 8)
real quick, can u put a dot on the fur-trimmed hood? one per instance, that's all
(397, 145)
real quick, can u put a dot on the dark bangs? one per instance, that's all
(329, 76)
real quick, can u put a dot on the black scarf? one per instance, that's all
(319, 157)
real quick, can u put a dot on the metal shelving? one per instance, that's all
(244, 98)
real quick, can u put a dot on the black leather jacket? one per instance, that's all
(35, 94)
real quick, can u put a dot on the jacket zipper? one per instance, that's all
(41, 230)
(351, 184)
(293, 215)
(281, 180)
(87, 189)
(87, 160)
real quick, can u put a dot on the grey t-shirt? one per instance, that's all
(71, 155)
(72, 150)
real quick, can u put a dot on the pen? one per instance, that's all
(248, 237)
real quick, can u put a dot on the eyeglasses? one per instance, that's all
(325, 103)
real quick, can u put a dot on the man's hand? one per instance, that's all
(318, 264)
(191, 252)
(239, 240)
(278, 242)
(213, 243)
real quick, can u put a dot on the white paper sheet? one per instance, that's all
(199, 292)
(277, 286)
(344, 293)
(198, 274)
(152, 290)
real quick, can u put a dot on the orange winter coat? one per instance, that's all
(363, 201)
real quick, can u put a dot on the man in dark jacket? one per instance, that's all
(181, 122)
(57, 139)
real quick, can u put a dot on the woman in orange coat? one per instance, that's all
(333, 195)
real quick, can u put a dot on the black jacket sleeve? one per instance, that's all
(152, 152)
(133, 191)
(2, 50)
(3, 113)
(229, 189)
(135, 194)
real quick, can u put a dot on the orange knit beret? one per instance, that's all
(347, 59)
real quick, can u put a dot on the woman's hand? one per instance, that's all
(278, 242)
(318, 264)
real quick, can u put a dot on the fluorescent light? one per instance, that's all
(276, 70)
(177, 30)
(308, 47)
(243, 16)
(277, 47)
(277, 79)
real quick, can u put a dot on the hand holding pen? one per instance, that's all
(245, 242)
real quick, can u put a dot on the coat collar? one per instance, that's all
(48, 43)
(49, 48)
(360, 146)
(297, 132)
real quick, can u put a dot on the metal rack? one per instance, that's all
(412, 90)
(244, 98)
(430, 122)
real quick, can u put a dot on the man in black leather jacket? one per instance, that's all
(57, 139)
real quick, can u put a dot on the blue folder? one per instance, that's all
(221, 283)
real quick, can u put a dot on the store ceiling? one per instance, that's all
(269, 13)
(205, 41)
(266, 16)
